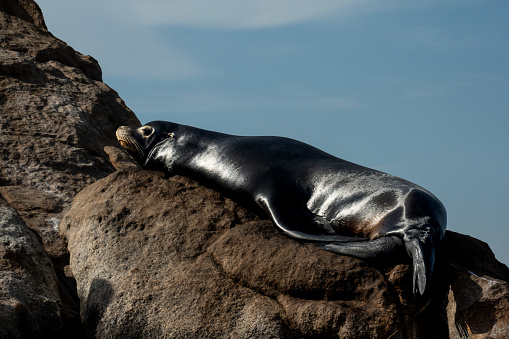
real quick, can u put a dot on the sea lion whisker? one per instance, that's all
(130, 142)
(137, 147)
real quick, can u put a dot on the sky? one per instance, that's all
(416, 89)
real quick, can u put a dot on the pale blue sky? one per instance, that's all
(416, 89)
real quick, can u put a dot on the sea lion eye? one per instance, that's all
(146, 131)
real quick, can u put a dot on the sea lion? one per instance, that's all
(309, 194)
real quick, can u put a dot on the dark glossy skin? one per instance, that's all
(310, 195)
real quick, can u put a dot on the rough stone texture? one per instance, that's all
(205, 267)
(33, 302)
(120, 159)
(169, 257)
(41, 212)
(478, 293)
(56, 116)
(27, 10)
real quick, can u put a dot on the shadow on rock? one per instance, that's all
(102, 319)
(99, 297)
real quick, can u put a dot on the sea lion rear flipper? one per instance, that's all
(300, 223)
(374, 249)
(423, 258)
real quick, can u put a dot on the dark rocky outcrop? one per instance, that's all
(478, 285)
(143, 255)
(27, 10)
(56, 116)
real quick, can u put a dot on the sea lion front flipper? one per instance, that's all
(298, 224)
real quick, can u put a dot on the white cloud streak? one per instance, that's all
(239, 14)
(124, 35)
(257, 14)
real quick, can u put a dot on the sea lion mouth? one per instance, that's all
(126, 140)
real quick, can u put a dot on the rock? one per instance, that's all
(478, 298)
(27, 10)
(41, 212)
(220, 271)
(120, 159)
(56, 118)
(33, 302)
(171, 287)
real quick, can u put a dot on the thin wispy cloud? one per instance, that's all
(256, 14)
(433, 38)
(235, 14)
(140, 55)
(126, 39)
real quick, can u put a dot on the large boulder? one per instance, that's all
(170, 257)
(162, 256)
(478, 288)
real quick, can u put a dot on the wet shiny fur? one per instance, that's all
(310, 195)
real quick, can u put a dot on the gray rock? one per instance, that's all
(33, 302)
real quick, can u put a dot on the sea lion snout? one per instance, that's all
(127, 139)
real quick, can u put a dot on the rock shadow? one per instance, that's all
(131, 324)
(98, 299)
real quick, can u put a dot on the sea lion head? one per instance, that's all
(138, 142)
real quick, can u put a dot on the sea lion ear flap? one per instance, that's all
(414, 250)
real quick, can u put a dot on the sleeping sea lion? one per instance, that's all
(309, 194)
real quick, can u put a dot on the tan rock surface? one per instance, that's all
(56, 116)
(183, 261)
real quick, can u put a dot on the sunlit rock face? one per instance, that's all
(56, 116)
